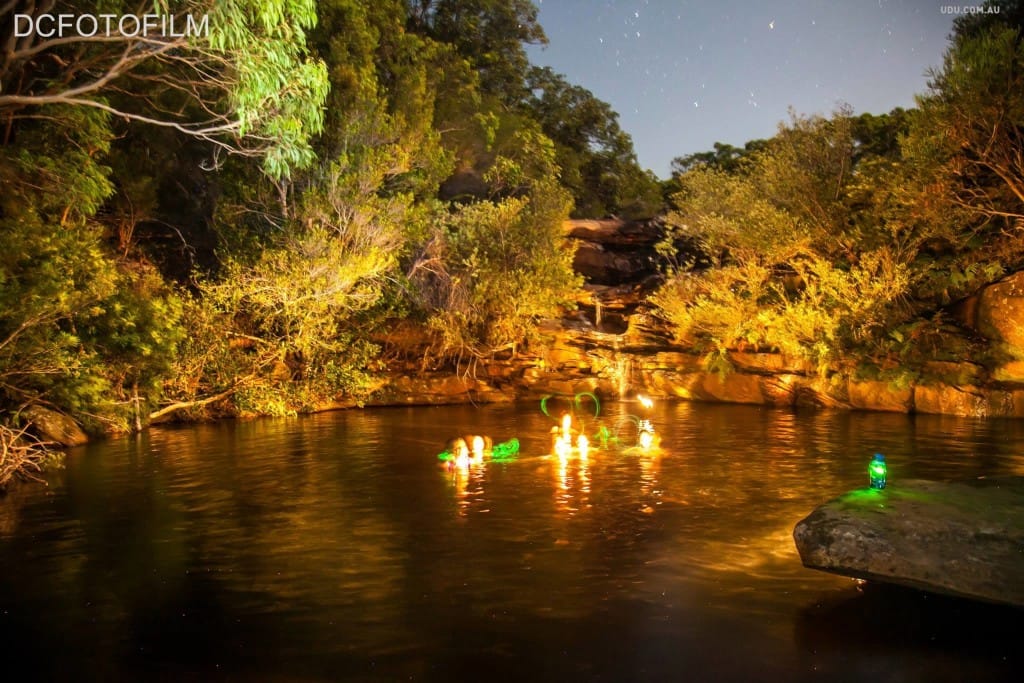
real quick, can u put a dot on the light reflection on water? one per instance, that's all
(337, 546)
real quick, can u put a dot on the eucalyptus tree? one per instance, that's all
(82, 328)
(233, 74)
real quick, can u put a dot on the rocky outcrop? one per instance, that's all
(612, 252)
(54, 427)
(1000, 314)
(613, 345)
(962, 539)
(580, 356)
(439, 389)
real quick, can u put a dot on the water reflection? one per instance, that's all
(572, 472)
(338, 547)
(466, 479)
(649, 464)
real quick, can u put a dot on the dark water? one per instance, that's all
(335, 547)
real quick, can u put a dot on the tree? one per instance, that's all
(879, 135)
(386, 84)
(82, 328)
(490, 34)
(992, 14)
(972, 125)
(77, 331)
(792, 271)
(244, 84)
(724, 157)
(596, 157)
(495, 267)
(285, 331)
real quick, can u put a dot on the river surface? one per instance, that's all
(337, 547)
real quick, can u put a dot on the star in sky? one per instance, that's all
(684, 75)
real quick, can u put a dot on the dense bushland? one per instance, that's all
(841, 240)
(234, 222)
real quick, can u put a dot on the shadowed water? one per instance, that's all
(337, 547)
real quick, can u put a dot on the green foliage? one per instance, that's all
(81, 328)
(490, 93)
(840, 237)
(55, 173)
(497, 266)
(747, 307)
(732, 220)
(971, 128)
(363, 237)
(291, 316)
(793, 271)
(724, 157)
(300, 263)
(50, 279)
(490, 34)
(963, 189)
(246, 85)
(77, 330)
(995, 14)
(805, 170)
(505, 269)
(595, 156)
(137, 330)
(276, 93)
(878, 135)
(385, 86)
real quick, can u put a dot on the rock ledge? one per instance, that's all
(963, 539)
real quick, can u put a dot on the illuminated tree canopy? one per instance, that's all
(234, 74)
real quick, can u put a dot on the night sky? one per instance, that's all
(684, 74)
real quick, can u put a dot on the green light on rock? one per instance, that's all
(877, 472)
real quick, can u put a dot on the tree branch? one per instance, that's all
(157, 415)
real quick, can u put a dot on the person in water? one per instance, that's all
(460, 452)
(562, 436)
(478, 445)
(465, 449)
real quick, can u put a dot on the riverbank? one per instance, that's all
(613, 344)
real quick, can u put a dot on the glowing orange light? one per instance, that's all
(645, 401)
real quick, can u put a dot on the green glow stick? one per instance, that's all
(505, 450)
(597, 403)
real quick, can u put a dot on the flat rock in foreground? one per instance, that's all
(963, 539)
